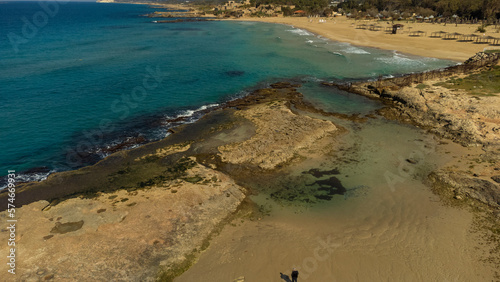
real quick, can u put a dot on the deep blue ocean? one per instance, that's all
(78, 78)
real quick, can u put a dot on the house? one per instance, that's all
(299, 13)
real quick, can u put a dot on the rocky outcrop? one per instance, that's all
(279, 136)
(146, 213)
(451, 113)
(460, 185)
(122, 235)
(496, 178)
(481, 57)
(455, 115)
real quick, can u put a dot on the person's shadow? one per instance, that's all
(285, 277)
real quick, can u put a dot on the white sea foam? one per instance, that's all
(204, 107)
(239, 95)
(355, 50)
(300, 31)
(312, 79)
(350, 49)
(399, 59)
(189, 113)
(29, 177)
(247, 23)
(309, 41)
(323, 39)
(186, 113)
(337, 53)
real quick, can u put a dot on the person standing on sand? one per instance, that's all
(295, 275)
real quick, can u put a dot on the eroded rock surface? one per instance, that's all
(463, 185)
(146, 213)
(122, 235)
(468, 115)
(452, 114)
(279, 136)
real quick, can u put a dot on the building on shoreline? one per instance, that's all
(245, 8)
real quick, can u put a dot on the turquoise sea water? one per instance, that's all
(78, 78)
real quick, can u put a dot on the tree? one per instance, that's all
(287, 11)
(425, 12)
(490, 9)
(372, 12)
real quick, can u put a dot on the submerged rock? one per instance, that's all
(496, 178)
(482, 190)
(63, 228)
(320, 173)
(279, 136)
(234, 73)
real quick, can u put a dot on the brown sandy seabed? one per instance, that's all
(371, 233)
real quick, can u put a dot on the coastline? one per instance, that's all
(190, 187)
(343, 30)
(470, 117)
(194, 184)
(180, 183)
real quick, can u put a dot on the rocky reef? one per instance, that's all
(146, 213)
(451, 103)
(279, 135)
(124, 235)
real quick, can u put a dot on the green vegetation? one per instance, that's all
(481, 84)
(463, 9)
(481, 28)
(309, 6)
(193, 179)
(479, 9)
(421, 86)
(493, 51)
(177, 269)
(142, 174)
(170, 272)
(259, 14)
(176, 171)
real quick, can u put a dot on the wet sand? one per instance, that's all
(375, 232)
(384, 240)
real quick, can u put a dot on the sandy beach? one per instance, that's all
(343, 29)
(372, 234)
